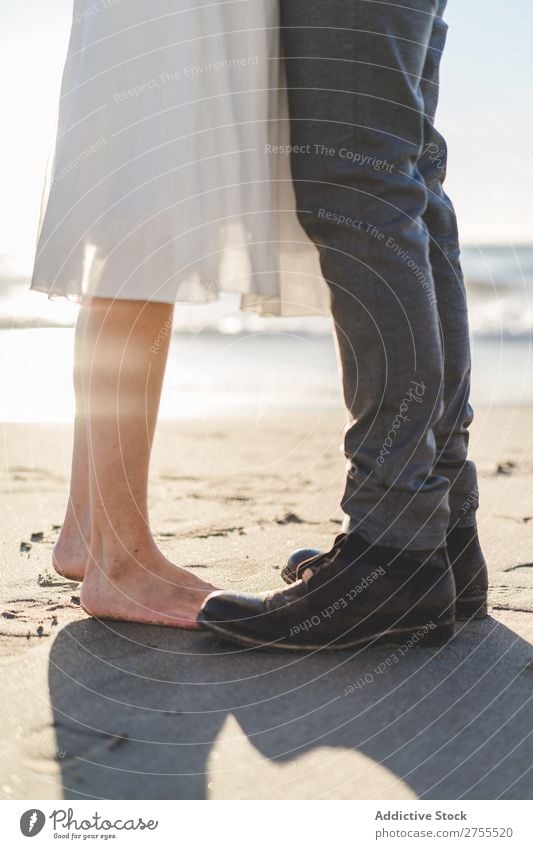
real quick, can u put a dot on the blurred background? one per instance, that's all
(223, 361)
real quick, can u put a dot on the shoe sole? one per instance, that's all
(438, 636)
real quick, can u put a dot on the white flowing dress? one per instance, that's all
(165, 183)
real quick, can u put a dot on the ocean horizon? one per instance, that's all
(226, 362)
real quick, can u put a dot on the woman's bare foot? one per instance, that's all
(71, 551)
(142, 586)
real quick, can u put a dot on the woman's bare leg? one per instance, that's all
(72, 548)
(122, 363)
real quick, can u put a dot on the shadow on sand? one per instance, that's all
(138, 714)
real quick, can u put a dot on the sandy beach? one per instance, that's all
(104, 710)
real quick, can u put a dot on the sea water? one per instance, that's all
(223, 362)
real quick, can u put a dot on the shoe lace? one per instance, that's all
(306, 571)
(311, 567)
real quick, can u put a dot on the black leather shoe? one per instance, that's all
(466, 559)
(357, 594)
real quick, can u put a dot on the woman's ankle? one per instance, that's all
(77, 521)
(112, 553)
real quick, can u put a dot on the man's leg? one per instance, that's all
(451, 430)
(354, 71)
